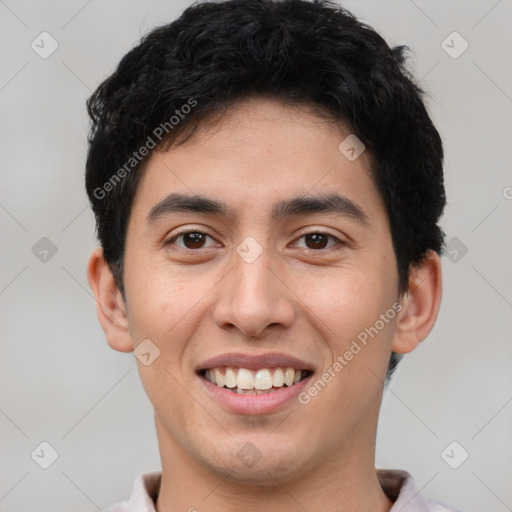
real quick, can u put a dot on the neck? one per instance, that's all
(346, 477)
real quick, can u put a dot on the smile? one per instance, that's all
(254, 382)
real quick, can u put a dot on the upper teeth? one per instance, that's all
(243, 378)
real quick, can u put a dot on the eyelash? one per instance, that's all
(190, 231)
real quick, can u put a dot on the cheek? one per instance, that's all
(165, 309)
(161, 299)
(341, 304)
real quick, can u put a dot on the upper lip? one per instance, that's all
(255, 362)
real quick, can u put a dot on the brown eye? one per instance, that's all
(190, 240)
(317, 240)
(194, 240)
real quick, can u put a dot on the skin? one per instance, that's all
(294, 298)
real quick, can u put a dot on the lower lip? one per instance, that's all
(254, 404)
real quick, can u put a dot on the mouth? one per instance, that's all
(248, 383)
(261, 381)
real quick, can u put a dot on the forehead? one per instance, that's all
(259, 154)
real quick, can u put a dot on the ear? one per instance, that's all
(110, 305)
(420, 305)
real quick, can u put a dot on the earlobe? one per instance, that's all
(111, 309)
(420, 305)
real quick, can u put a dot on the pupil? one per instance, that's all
(194, 238)
(318, 239)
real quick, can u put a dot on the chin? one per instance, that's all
(256, 460)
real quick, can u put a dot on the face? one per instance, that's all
(253, 284)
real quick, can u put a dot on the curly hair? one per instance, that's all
(301, 52)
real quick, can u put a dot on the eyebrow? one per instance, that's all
(298, 205)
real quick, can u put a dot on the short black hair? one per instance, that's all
(304, 53)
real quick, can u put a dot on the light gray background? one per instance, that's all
(61, 383)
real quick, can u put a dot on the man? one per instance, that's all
(267, 185)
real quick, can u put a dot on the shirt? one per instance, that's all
(397, 484)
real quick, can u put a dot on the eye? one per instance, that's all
(318, 240)
(192, 239)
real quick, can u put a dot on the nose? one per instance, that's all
(254, 297)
